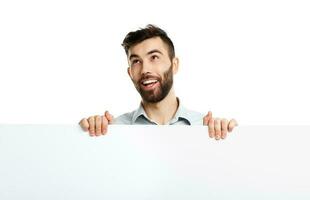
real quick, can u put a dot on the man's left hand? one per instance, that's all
(218, 127)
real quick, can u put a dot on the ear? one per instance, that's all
(175, 65)
(129, 72)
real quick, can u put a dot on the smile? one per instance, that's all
(149, 84)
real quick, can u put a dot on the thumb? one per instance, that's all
(109, 117)
(207, 118)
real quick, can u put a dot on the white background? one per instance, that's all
(62, 60)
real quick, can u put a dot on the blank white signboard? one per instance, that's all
(154, 162)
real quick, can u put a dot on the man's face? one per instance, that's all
(151, 70)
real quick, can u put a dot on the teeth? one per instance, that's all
(149, 81)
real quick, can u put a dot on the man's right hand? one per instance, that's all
(97, 125)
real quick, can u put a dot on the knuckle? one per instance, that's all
(225, 121)
(97, 118)
(231, 125)
(90, 119)
(105, 121)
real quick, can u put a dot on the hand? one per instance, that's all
(218, 128)
(97, 125)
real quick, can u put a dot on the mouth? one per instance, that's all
(149, 84)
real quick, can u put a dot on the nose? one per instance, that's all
(146, 68)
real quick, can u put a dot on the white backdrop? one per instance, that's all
(61, 60)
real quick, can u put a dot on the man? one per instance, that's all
(152, 64)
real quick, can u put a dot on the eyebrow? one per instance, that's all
(148, 53)
(154, 51)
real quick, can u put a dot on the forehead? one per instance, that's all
(142, 48)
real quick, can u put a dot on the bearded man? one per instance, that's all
(151, 66)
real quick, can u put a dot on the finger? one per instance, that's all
(104, 125)
(98, 125)
(232, 124)
(207, 118)
(211, 128)
(109, 117)
(224, 124)
(91, 122)
(84, 124)
(218, 129)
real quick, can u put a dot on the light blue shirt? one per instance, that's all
(183, 116)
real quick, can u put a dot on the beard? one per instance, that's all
(158, 93)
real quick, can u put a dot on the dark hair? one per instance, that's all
(150, 31)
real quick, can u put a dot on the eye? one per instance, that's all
(134, 62)
(154, 57)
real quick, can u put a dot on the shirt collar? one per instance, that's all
(139, 112)
(181, 114)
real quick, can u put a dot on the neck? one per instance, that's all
(162, 112)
